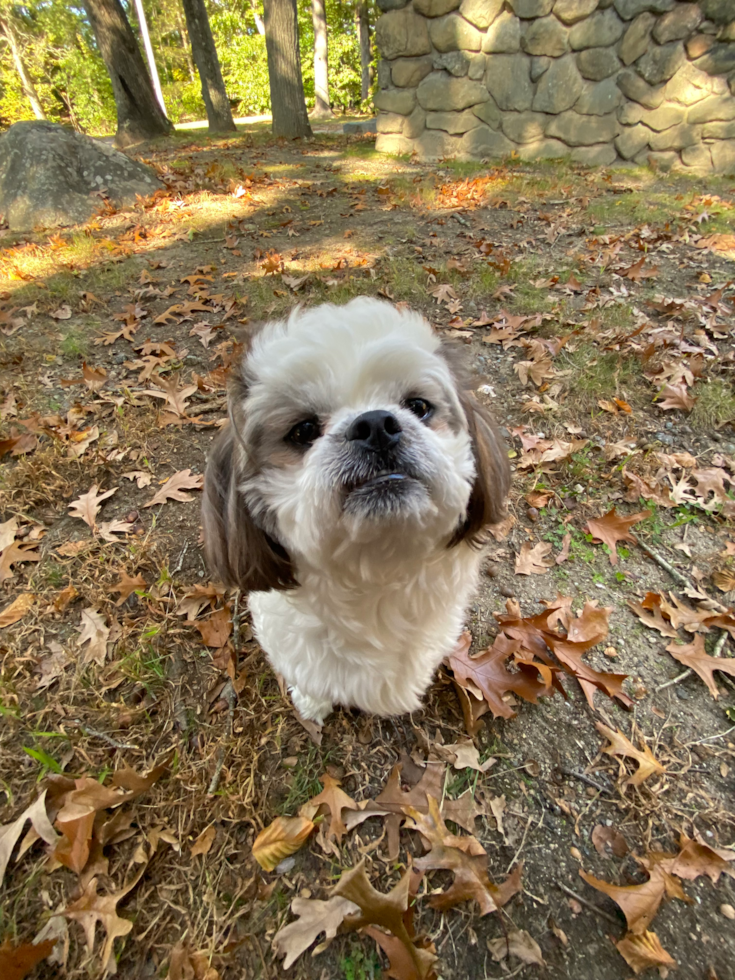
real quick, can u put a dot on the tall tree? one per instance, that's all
(139, 116)
(321, 60)
(10, 34)
(288, 105)
(219, 114)
(362, 19)
(184, 36)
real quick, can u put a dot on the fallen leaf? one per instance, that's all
(694, 656)
(17, 609)
(694, 860)
(565, 545)
(639, 903)
(63, 312)
(518, 943)
(9, 833)
(534, 561)
(127, 585)
(92, 908)
(174, 394)
(217, 629)
(94, 378)
(16, 554)
(331, 800)
(284, 836)
(203, 843)
(88, 505)
(16, 962)
(93, 630)
(724, 580)
(676, 396)
(314, 917)
(174, 487)
(462, 755)
(607, 841)
(644, 952)
(613, 528)
(648, 764)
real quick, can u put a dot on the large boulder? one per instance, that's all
(51, 176)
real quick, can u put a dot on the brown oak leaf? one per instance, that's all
(644, 952)
(694, 656)
(314, 917)
(613, 528)
(87, 506)
(333, 800)
(534, 561)
(174, 487)
(676, 396)
(648, 764)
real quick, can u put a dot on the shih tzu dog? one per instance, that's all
(348, 495)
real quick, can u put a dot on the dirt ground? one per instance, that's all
(580, 297)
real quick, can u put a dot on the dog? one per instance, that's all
(349, 495)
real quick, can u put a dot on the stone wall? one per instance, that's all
(599, 81)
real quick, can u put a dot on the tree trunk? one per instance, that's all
(183, 34)
(363, 32)
(143, 23)
(20, 66)
(139, 116)
(259, 25)
(219, 114)
(288, 105)
(321, 62)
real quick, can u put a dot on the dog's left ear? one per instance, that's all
(492, 473)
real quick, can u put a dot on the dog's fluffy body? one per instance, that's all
(360, 557)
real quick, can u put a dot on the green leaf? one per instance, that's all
(44, 758)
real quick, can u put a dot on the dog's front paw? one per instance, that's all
(311, 709)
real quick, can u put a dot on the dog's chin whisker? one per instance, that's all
(348, 496)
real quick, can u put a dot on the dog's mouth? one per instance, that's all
(386, 478)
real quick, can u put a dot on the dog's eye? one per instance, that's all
(420, 408)
(304, 433)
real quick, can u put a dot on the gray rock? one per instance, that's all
(401, 100)
(481, 13)
(434, 8)
(433, 144)
(698, 157)
(633, 87)
(637, 38)
(698, 45)
(600, 30)
(437, 93)
(383, 73)
(503, 35)
(386, 5)
(457, 63)
(631, 140)
(719, 60)
(601, 155)
(545, 36)
(402, 33)
(676, 138)
(599, 99)
(508, 80)
(489, 113)
(484, 142)
(531, 8)
(357, 128)
(524, 127)
(628, 9)
(478, 64)
(393, 143)
(51, 176)
(658, 161)
(719, 130)
(409, 72)
(576, 130)
(678, 23)
(728, 33)
(543, 150)
(631, 113)
(415, 123)
(597, 63)
(717, 107)
(452, 122)
(688, 86)
(723, 157)
(453, 32)
(719, 11)
(658, 64)
(538, 67)
(559, 88)
(570, 11)
(665, 117)
(390, 122)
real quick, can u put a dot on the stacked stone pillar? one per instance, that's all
(597, 81)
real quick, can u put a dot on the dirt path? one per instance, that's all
(597, 311)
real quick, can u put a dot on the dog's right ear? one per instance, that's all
(239, 553)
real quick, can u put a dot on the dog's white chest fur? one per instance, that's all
(339, 640)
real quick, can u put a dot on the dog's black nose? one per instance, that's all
(376, 431)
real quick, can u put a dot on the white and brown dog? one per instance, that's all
(348, 495)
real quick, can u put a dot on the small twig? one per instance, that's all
(711, 738)
(176, 672)
(589, 905)
(236, 622)
(719, 646)
(660, 560)
(177, 567)
(584, 778)
(229, 694)
(93, 733)
(523, 841)
(676, 680)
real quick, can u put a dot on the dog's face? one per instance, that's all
(347, 431)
